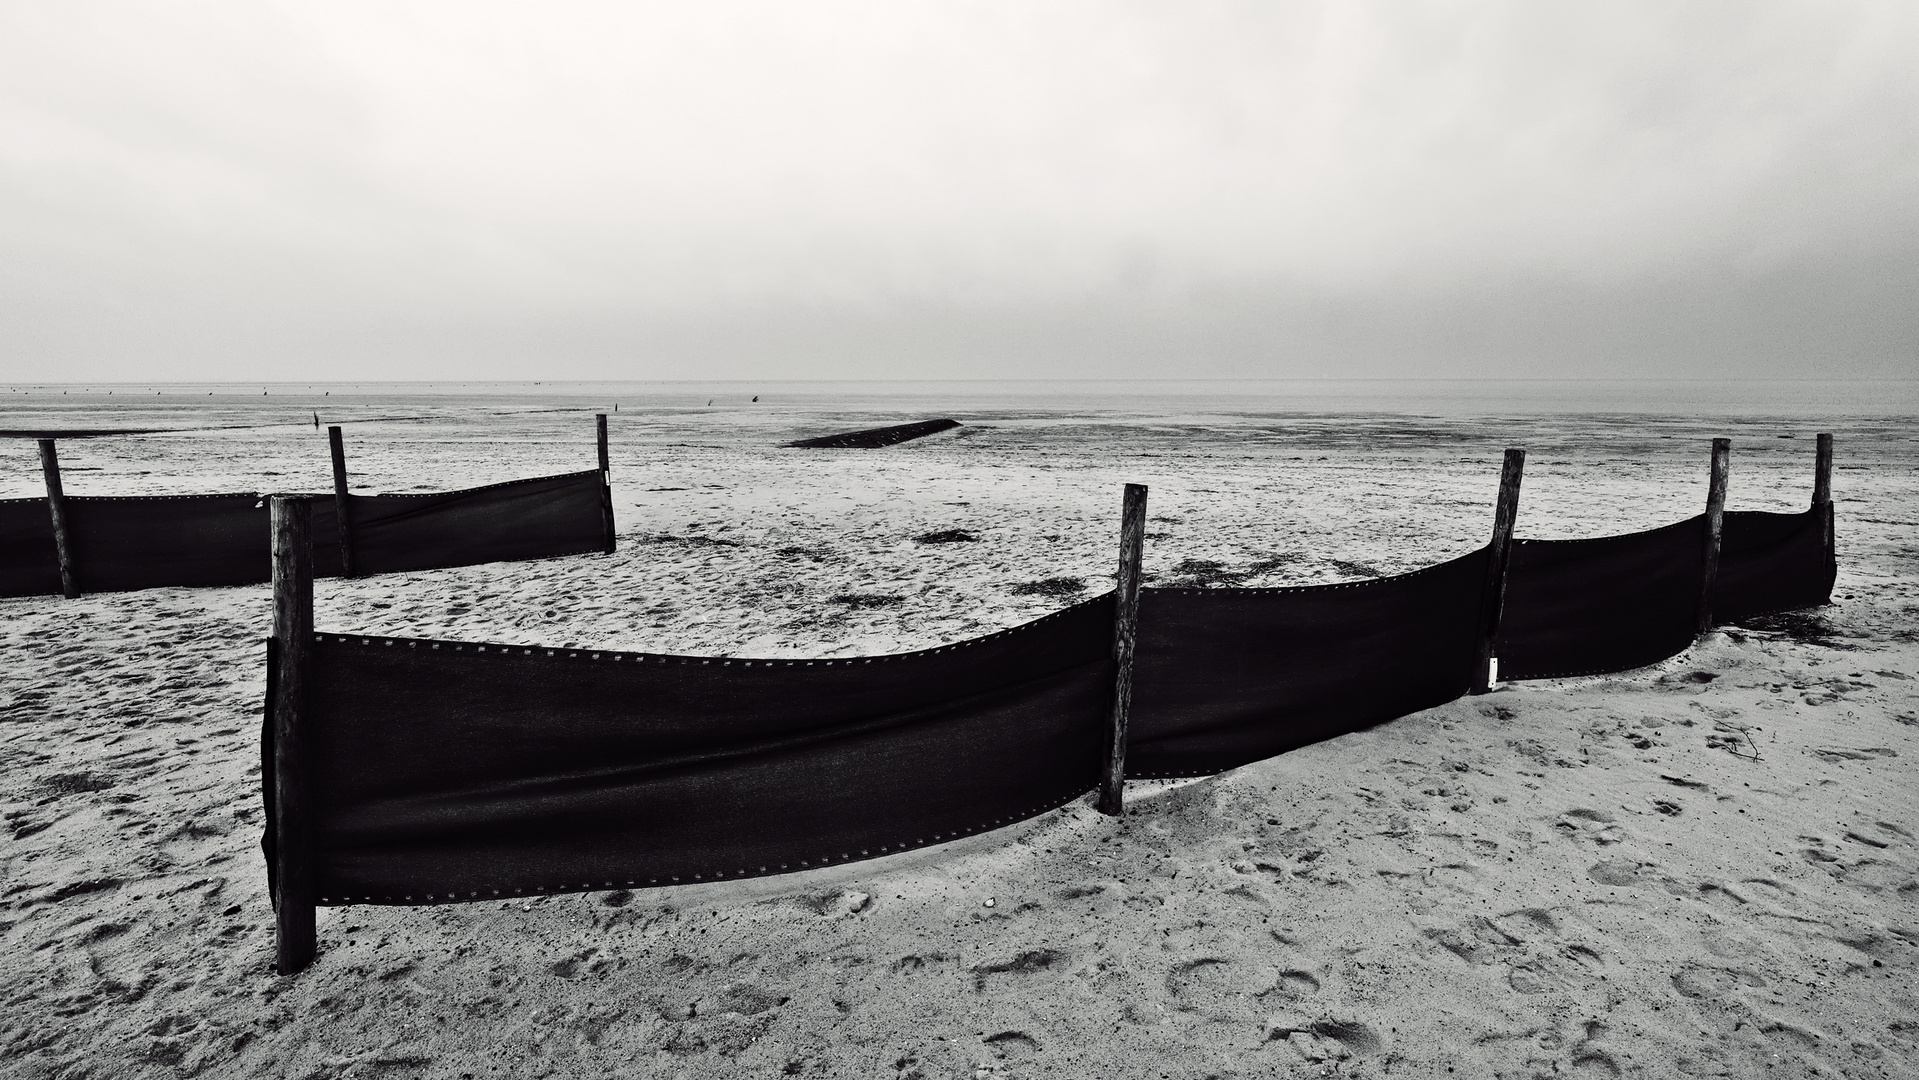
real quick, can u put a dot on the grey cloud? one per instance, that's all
(999, 189)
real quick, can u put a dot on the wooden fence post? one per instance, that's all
(606, 485)
(57, 508)
(1822, 498)
(1132, 546)
(1715, 527)
(291, 520)
(342, 503)
(1493, 596)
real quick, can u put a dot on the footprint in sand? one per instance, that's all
(1595, 826)
(1292, 985)
(1530, 979)
(1538, 919)
(1183, 976)
(1619, 873)
(1530, 941)
(1026, 963)
(1595, 1063)
(1844, 864)
(1723, 897)
(1791, 1035)
(1766, 888)
(1570, 966)
(1013, 1044)
(1356, 1037)
(1727, 944)
(1708, 982)
(1877, 947)
(1217, 986)
(1459, 876)
(1323, 1040)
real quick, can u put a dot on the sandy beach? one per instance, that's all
(1705, 868)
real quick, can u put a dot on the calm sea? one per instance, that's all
(23, 405)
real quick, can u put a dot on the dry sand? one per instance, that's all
(1704, 868)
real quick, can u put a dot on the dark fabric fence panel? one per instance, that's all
(125, 543)
(1770, 563)
(1223, 677)
(323, 532)
(463, 772)
(189, 540)
(29, 566)
(1612, 603)
(544, 517)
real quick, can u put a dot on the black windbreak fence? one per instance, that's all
(447, 771)
(414, 771)
(454, 771)
(1610, 603)
(1613, 603)
(1770, 563)
(1225, 677)
(124, 543)
(541, 518)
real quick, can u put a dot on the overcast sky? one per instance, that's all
(253, 190)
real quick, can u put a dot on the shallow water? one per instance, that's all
(1441, 397)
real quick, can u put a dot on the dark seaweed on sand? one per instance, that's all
(1192, 573)
(868, 600)
(693, 541)
(1053, 586)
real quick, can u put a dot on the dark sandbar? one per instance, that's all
(884, 436)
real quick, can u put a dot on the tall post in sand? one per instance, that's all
(57, 509)
(1715, 528)
(1132, 546)
(1499, 557)
(291, 520)
(606, 485)
(1822, 498)
(342, 503)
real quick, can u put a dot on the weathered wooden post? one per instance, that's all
(1822, 499)
(291, 520)
(1715, 527)
(606, 485)
(1493, 596)
(1132, 546)
(342, 503)
(57, 508)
